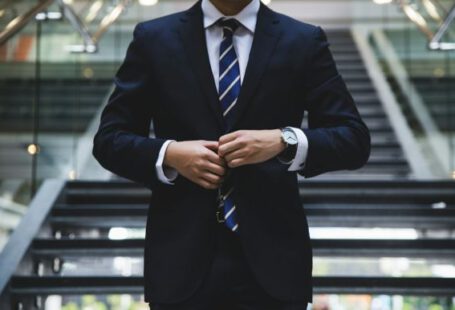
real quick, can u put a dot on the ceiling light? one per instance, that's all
(148, 2)
(431, 9)
(72, 174)
(54, 15)
(415, 16)
(93, 11)
(90, 48)
(382, 1)
(33, 149)
(40, 16)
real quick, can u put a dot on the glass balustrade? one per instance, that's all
(56, 71)
(423, 81)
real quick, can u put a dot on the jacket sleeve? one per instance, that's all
(122, 144)
(337, 137)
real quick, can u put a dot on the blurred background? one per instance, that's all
(72, 233)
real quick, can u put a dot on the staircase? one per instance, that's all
(66, 108)
(78, 232)
(387, 160)
(66, 105)
(82, 237)
(439, 96)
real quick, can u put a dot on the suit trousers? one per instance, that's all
(230, 283)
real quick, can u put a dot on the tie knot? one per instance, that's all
(229, 25)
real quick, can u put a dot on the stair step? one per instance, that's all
(396, 170)
(366, 214)
(53, 125)
(351, 68)
(321, 247)
(347, 58)
(369, 208)
(55, 285)
(50, 113)
(51, 99)
(355, 76)
(310, 192)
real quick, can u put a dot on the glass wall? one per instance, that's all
(421, 74)
(52, 88)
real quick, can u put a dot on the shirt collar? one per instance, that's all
(247, 16)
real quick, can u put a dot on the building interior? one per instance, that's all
(72, 233)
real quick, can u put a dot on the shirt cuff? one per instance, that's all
(165, 174)
(302, 150)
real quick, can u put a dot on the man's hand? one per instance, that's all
(245, 147)
(198, 161)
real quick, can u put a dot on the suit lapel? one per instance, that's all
(265, 38)
(193, 36)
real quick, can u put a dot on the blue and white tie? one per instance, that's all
(228, 90)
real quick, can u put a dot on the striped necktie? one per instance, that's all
(229, 89)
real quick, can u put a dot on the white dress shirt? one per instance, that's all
(242, 41)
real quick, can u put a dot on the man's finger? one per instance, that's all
(235, 154)
(228, 137)
(214, 158)
(217, 169)
(229, 147)
(212, 145)
(212, 178)
(205, 184)
(237, 162)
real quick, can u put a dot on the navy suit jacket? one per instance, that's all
(166, 78)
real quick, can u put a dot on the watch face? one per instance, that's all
(290, 137)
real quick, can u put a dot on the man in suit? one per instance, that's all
(227, 83)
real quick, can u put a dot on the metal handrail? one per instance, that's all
(91, 41)
(77, 23)
(433, 135)
(28, 228)
(110, 18)
(398, 121)
(434, 38)
(435, 42)
(21, 21)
